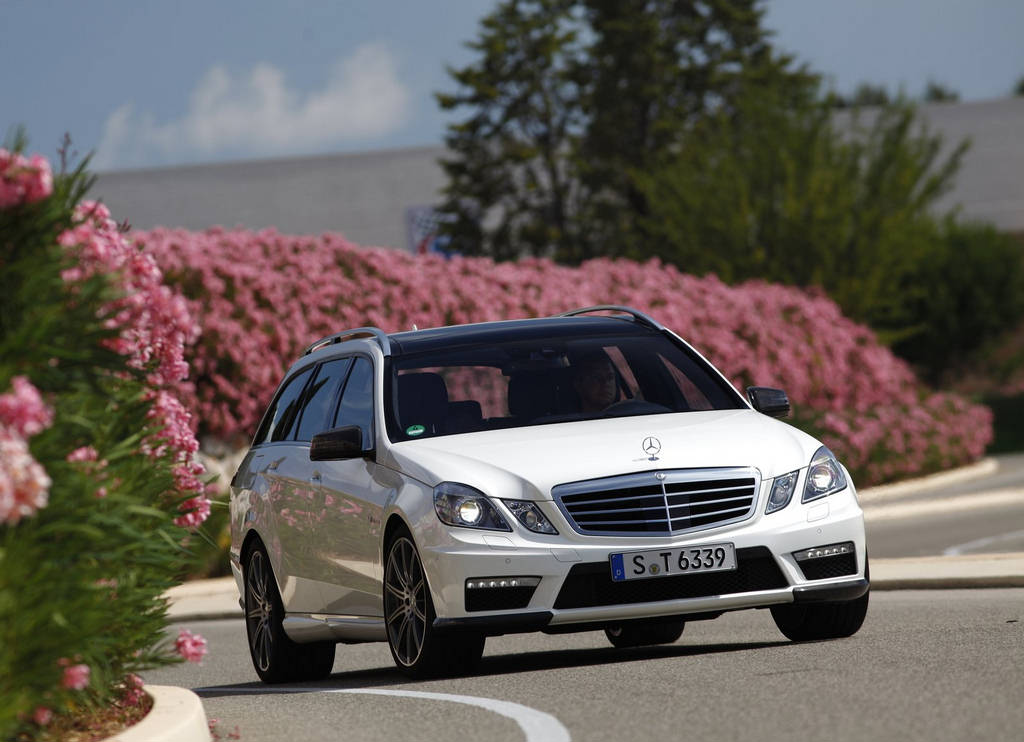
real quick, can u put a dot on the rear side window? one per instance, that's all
(322, 398)
(279, 421)
(356, 406)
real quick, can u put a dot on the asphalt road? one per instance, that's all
(981, 516)
(928, 665)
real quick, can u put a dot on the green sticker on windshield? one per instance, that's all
(415, 430)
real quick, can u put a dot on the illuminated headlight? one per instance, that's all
(824, 476)
(460, 505)
(782, 491)
(530, 516)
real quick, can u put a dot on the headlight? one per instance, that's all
(530, 516)
(824, 476)
(459, 505)
(782, 491)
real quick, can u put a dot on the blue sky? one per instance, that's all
(161, 83)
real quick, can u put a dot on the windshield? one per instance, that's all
(547, 380)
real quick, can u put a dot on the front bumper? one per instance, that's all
(575, 587)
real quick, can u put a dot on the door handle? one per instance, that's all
(316, 478)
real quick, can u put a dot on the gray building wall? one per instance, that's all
(365, 195)
(990, 184)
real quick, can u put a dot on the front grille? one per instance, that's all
(825, 568)
(659, 503)
(591, 584)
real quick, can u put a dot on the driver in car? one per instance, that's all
(596, 383)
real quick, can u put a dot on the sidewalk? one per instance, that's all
(218, 598)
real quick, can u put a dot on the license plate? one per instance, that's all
(639, 565)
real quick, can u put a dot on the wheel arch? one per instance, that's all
(248, 543)
(395, 523)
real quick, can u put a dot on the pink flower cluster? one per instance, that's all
(190, 646)
(23, 410)
(76, 677)
(154, 327)
(263, 296)
(132, 693)
(154, 323)
(23, 180)
(24, 484)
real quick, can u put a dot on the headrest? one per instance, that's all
(464, 416)
(533, 394)
(422, 400)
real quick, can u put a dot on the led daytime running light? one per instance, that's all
(476, 583)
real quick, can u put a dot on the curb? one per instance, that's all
(206, 600)
(201, 600)
(948, 572)
(177, 716)
(982, 468)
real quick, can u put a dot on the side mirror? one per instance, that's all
(340, 443)
(771, 402)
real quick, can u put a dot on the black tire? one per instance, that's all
(276, 658)
(820, 621)
(644, 634)
(418, 649)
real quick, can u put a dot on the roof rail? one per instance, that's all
(640, 317)
(360, 332)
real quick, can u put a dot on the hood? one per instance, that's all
(525, 463)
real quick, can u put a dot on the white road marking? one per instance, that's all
(981, 543)
(537, 726)
(944, 505)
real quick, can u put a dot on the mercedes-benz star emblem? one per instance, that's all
(651, 446)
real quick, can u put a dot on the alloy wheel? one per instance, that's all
(405, 601)
(259, 610)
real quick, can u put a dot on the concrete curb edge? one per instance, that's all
(941, 479)
(177, 716)
(947, 582)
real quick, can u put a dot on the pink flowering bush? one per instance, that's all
(24, 484)
(23, 180)
(191, 647)
(262, 297)
(99, 485)
(76, 677)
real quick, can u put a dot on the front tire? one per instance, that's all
(418, 649)
(276, 658)
(820, 621)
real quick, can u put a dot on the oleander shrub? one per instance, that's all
(99, 490)
(261, 297)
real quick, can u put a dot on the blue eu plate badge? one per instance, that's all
(618, 571)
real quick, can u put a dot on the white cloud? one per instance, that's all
(259, 115)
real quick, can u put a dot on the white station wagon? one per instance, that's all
(590, 471)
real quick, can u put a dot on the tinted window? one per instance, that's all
(356, 406)
(280, 418)
(541, 380)
(322, 398)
